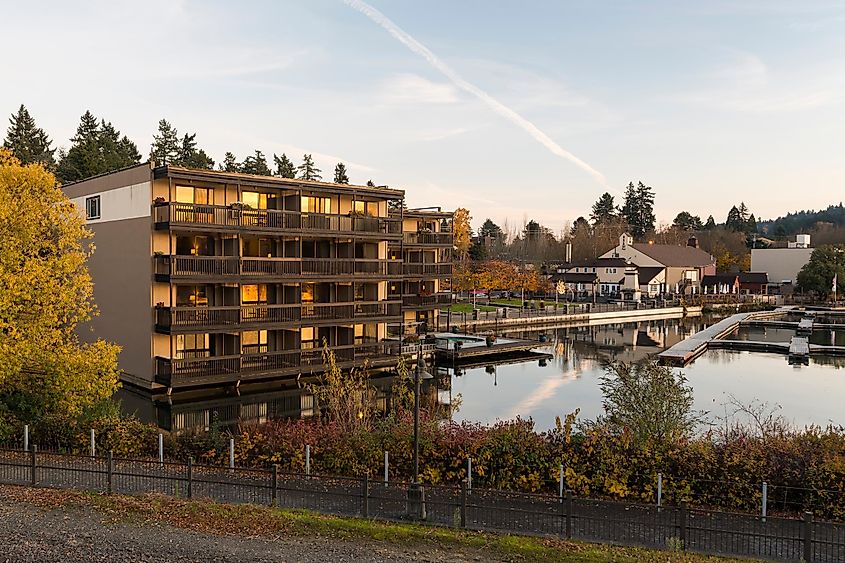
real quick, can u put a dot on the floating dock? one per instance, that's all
(456, 347)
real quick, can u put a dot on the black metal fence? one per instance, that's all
(669, 527)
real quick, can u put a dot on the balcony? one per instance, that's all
(428, 269)
(436, 300)
(234, 218)
(428, 239)
(219, 369)
(210, 319)
(233, 267)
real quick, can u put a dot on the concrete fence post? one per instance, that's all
(307, 460)
(231, 453)
(161, 449)
(560, 483)
(765, 500)
(469, 474)
(659, 490)
(26, 437)
(93, 444)
(386, 465)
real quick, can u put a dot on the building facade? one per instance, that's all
(207, 277)
(426, 254)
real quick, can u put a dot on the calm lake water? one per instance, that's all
(545, 388)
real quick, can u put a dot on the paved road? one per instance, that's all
(80, 534)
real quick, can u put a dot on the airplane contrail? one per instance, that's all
(506, 112)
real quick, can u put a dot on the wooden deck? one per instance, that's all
(498, 348)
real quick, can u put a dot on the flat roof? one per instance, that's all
(180, 172)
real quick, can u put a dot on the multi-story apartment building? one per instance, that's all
(207, 277)
(426, 253)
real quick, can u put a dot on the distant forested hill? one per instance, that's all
(804, 221)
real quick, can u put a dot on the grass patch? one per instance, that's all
(467, 308)
(261, 521)
(518, 302)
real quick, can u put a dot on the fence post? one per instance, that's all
(190, 477)
(464, 503)
(274, 485)
(659, 490)
(307, 460)
(386, 463)
(33, 464)
(93, 444)
(161, 449)
(110, 470)
(231, 453)
(765, 499)
(568, 506)
(365, 496)
(469, 474)
(808, 536)
(560, 483)
(26, 437)
(684, 524)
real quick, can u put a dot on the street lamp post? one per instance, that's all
(416, 494)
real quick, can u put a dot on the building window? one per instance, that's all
(314, 204)
(369, 208)
(192, 194)
(254, 341)
(92, 207)
(192, 346)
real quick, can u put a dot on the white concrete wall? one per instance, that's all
(128, 202)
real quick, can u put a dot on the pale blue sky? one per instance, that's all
(708, 102)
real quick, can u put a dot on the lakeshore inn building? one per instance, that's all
(206, 277)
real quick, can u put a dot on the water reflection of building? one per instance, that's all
(227, 407)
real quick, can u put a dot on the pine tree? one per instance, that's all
(340, 176)
(743, 212)
(630, 209)
(370, 184)
(490, 229)
(308, 170)
(192, 157)
(751, 224)
(604, 210)
(638, 210)
(229, 164)
(165, 148)
(96, 149)
(710, 224)
(256, 164)
(734, 222)
(686, 221)
(284, 167)
(29, 143)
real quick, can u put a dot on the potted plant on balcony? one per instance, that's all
(159, 201)
(490, 340)
(160, 305)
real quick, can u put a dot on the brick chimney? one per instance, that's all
(693, 242)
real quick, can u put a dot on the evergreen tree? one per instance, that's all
(743, 212)
(165, 148)
(751, 224)
(256, 164)
(229, 164)
(490, 229)
(370, 184)
(192, 157)
(638, 209)
(29, 143)
(308, 170)
(687, 221)
(710, 224)
(735, 222)
(96, 149)
(284, 167)
(604, 210)
(580, 225)
(340, 176)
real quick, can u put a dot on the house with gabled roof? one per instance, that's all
(684, 266)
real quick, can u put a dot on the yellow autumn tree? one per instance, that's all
(462, 232)
(45, 292)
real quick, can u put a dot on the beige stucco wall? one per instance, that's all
(781, 264)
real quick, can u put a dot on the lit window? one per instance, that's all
(313, 204)
(92, 207)
(190, 194)
(255, 200)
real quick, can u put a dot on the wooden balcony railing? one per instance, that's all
(230, 317)
(437, 299)
(431, 269)
(437, 239)
(233, 217)
(234, 266)
(173, 372)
